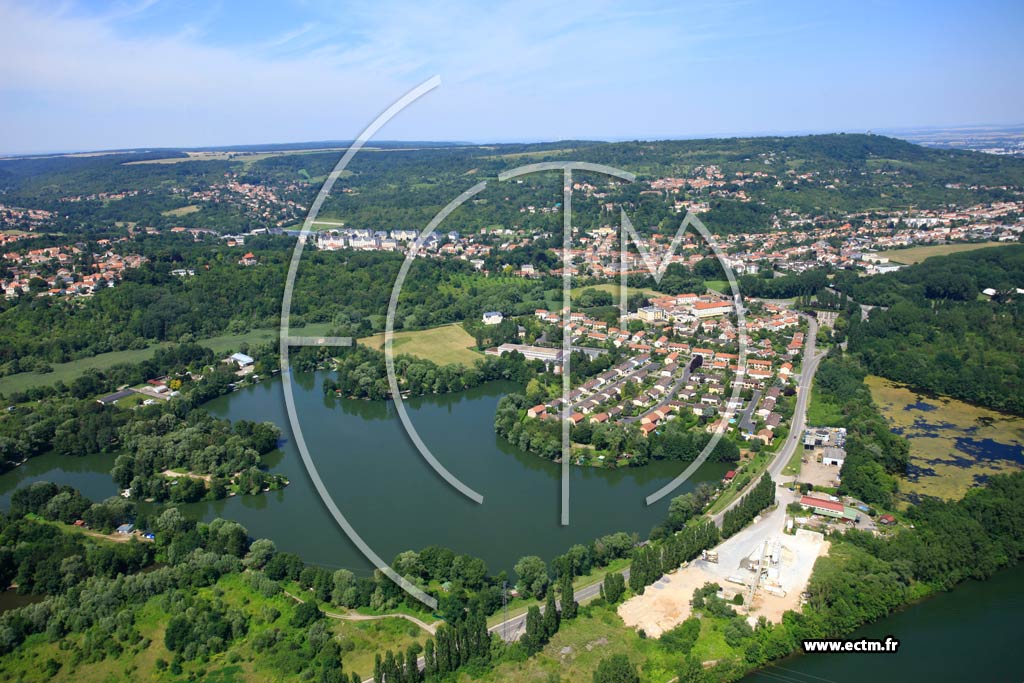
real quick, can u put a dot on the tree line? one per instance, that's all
(751, 505)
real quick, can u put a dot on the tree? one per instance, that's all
(616, 669)
(533, 639)
(260, 552)
(613, 587)
(551, 616)
(305, 614)
(533, 576)
(569, 605)
(692, 671)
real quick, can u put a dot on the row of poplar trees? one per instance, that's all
(762, 496)
(654, 560)
(540, 627)
(453, 646)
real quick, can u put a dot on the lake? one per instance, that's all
(390, 495)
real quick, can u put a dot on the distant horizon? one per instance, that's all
(244, 146)
(81, 75)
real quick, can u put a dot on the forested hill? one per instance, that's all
(940, 334)
(393, 187)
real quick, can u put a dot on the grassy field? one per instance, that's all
(758, 464)
(720, 286)
(246, 157)
(530, 155)
(579, 646)
(67, 372)
(918, 254)
(792, 467)
(442, 345)
(822, 414)
(613, 289)
(182, 211)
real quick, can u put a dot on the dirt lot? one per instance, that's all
(666, 603)
(817, 474)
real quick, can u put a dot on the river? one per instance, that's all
(969, 634)
(390, 495)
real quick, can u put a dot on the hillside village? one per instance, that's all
(65, 270)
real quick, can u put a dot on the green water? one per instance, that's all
(391, 496)
(969, 634)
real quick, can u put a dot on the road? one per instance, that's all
(355, 616)
(670, 395)
(812, 358)
(511, 630)
(746, 423)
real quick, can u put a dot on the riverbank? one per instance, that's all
(941, 638)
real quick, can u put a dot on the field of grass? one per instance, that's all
(246, 157)
(531, 155)
(792, 467)
(579, 646)
(754, 467)
(575, 651)
(182, 211)
(822, 414)
(613, 289)
(442, 345)
(917, 254)
(67, 372)
(720, 286)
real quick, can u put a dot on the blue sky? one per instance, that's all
(84, 75)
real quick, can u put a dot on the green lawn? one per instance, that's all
(442, 345)
(821, 413)
(579, 646)
(792, 467)
(720, 286)
(181, 211)
(611, 288)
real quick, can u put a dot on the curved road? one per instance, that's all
(796, 430)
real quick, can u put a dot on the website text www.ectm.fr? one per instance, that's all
(888, 644)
